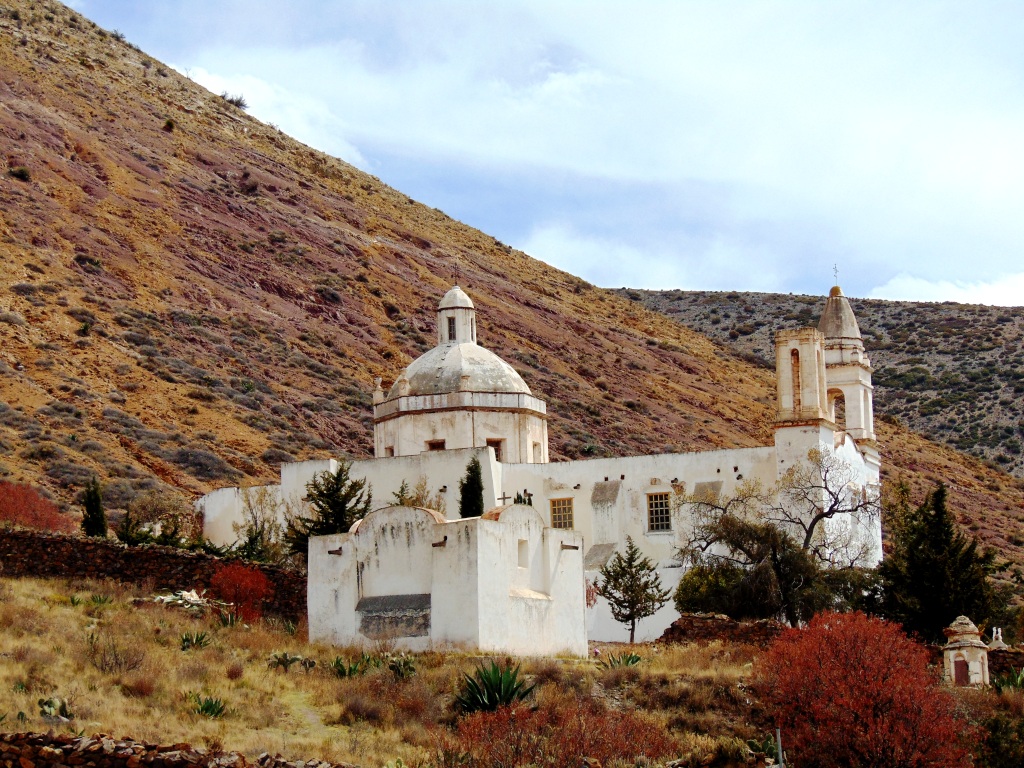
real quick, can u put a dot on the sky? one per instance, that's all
(726, 145)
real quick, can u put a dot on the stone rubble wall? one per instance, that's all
(47, 555)
(709, 627)
(35, 750)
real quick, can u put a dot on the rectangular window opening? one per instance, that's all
(435, 445)
(659, 512)
(496, 445)
(524, 553)
(561, 513)
(451, 329)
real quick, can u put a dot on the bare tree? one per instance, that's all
(792, 549)
(260, 534)
(823, 506)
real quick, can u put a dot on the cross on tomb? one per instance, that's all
(835, 271)
(504, 498)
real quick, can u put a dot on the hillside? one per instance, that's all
(952, 372)
(190, 297)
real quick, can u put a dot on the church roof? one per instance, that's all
(456, 297)
(463, 367)
(838, 321)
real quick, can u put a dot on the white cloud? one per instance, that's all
(609, 262)
(298, 115)
(884, 137)
(1007, 291)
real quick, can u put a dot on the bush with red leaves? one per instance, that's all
(852, 691)
(248, 589)
(23, 505)
(553, 735)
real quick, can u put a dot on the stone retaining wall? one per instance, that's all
(34, 750)
(45, 555)
(708, 627)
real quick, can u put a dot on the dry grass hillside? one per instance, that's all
(189, 297)
(127, 666)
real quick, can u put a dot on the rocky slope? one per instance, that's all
(953, 372)
(189, 297)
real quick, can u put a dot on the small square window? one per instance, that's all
(659, 512)
(561, 513)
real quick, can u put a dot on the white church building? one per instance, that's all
(460, 400)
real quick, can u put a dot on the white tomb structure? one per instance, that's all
(460, 400)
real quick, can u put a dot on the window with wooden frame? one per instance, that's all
(561, 513)
(659, 512)
(451, 329)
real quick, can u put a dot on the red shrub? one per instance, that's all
(851, 691)
(553, 735)
(23, 505)
(248, 589)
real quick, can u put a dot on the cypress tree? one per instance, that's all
(471, 490)
(934, 572)
(94, 521)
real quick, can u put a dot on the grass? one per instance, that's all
(117, 660)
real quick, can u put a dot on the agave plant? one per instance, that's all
(206, 706)
(490, 688)
(1012, 679)
(283, 660)
(191, 640)
(344, 668)
(624, 659)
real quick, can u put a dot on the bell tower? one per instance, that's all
(847, 369)
(800, 371)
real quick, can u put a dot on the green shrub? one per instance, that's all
(20, 172)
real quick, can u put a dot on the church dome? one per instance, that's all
(458, 367)
(838, 321)
(456, 298)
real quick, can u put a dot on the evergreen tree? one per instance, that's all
(336, 502)
(131, 532)
(632, 587)
(471, 490)
(934, 572)
(94, 520)
(403, 496)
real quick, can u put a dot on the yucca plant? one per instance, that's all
(490, 688)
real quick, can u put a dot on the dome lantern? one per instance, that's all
(456, 318)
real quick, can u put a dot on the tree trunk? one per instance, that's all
(632, 630)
